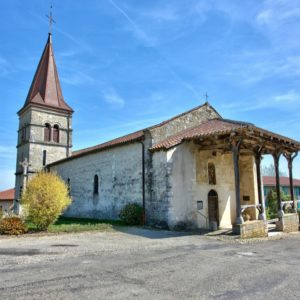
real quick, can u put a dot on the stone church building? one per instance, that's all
(195, 170)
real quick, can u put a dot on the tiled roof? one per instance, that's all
(211, 127)
(7, 195)
(138, 135)
(132, 137)
(45, 89)
(285, 181)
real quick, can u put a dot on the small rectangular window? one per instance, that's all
(44, 157)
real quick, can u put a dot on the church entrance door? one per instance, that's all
(213, 209)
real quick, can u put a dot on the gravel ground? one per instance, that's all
(147, 264)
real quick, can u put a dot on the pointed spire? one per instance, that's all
(45, 88)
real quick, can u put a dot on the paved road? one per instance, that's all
(144, 264)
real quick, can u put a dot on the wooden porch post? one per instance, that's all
(261, 200)
(276, 156)
(235, 147)
(290, 157)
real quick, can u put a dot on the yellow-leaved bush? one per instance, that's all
(45, 199)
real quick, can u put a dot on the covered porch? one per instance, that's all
(243, 145)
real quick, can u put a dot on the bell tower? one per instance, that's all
(45, 120)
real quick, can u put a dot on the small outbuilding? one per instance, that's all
(6, 200)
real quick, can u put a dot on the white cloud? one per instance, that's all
(113, 98)
(140, 34)
(290, 96)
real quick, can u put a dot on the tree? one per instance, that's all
(269, 170)
(45, 199)
(272, 209)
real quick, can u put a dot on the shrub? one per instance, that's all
(131, 214)
(272, 209)
(12, 226)
(45, 199)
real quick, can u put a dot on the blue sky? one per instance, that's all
(125, 65)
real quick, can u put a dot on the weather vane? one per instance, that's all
(51, 20)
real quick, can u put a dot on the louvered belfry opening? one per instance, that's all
(47, 132)
(56, 133)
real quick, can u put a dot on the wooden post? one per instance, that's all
(261, 200)
(276, 156)
(290, 157)
(235, 147)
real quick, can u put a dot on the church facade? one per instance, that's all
(196, 170)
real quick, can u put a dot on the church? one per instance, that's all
(196, 170)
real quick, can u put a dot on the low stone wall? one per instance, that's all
(251, 229)
(288, 223)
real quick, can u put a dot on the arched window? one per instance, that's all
(211, 174)
(56, 133)
(47, 132)
(96, 185)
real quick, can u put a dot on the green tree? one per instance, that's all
(272, 209)
(45, 199)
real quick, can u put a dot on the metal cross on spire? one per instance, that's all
(51, 20)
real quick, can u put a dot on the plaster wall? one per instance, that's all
(189, 183)
(120, 181)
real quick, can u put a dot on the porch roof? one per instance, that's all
(222, 129)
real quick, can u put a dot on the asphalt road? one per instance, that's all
(144, 264)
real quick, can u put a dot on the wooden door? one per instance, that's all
(213, 207)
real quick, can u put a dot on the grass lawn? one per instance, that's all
(79, 225)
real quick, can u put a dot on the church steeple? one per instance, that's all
(45, 89)
(45, 122)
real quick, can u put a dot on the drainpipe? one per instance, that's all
(68, 136)
(143, 182)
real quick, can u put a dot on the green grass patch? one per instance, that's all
(79, 225)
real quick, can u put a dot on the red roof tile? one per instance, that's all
(45, 89)
(285, 181)
(7, 195)
(138, 135)
(211, 127)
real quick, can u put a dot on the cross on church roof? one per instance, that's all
(206, 97)
(51, 20)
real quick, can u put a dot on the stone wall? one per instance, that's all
(251, 229)
(120, 181)
(34, 120)
(288, 223)
(157, 207)
(184, 121)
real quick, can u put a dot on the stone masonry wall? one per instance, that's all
(288, 223)
(120, 181)
(158, 205)
(34, 119)
(191, 119)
